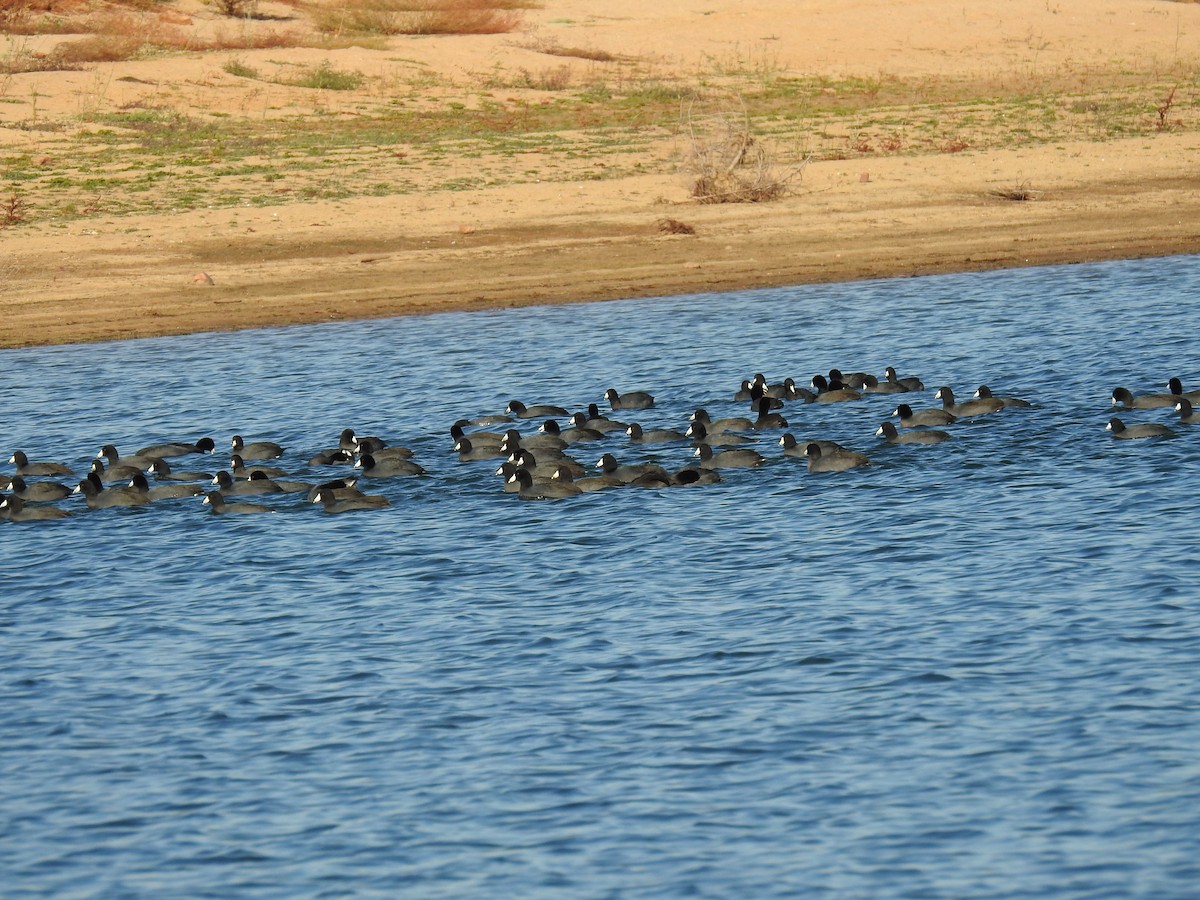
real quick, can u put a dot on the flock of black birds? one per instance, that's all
(534, 464)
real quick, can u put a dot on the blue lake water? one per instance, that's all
(969, 670)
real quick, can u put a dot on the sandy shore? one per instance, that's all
(573, 240)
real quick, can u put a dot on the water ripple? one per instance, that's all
(964, 671)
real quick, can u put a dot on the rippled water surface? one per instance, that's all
(967, 671)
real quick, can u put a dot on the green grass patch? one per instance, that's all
(325, 77)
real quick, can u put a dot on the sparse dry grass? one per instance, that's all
(745, 136)
(430, 17)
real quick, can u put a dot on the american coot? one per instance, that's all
(700, 435)
(833, 462)
(538, 411)
(458, 431)
(245, 487)
(215, 501)
(255, 450)
(334, 456)
(767, 419)
(629, 472)
(872, 385)
(341, 488)
(729, 423)
(740, 458)
(638, 435)
(332, 503)
(1125, 399)
(597, 420)
(1175, 385)
(688, 476)
(178, 448)
(163, 491)
(928, 436)
(285, 486)
(985, 393)
(587, 483)
(514, 440)
(468, 452)
(968, 408)
(547, 489)
(116, 474)
(576, 434)
(912, 382)
(14, 509)
(162, 470)
(99, 497)
(1146, 430)
(355, 443)
(748, 391)
(38, 491)
(112, 458)
(505, 472)
(833, 391)
(25, 467)
(387, 468)
(1187, 415)
(792, 447)
(758, 398)
(923, 417)
(237, 465)
(853, 380)
(787, 390)
(631, 400)
(545, 465)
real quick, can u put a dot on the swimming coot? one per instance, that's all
(985, 393)
(332, 503)
(968, 408)
(923, 417)
(631, 400)
(890, 434)
(14, 509)
(255, 450)
(218, 507)
(25, 467)
(538, 411)
(1145, 430)
(833, 462)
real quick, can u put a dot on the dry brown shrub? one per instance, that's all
(237, 9)
(16, 14)
(14, 210)
(417, 17)
(575, 52)
(557, 78)
(1019, 193)
(116, 35)
(727, 164)
(1163, 110)
(258, 39)
(99, 48)
(17, 63)
(469, 17)
(674, 226)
